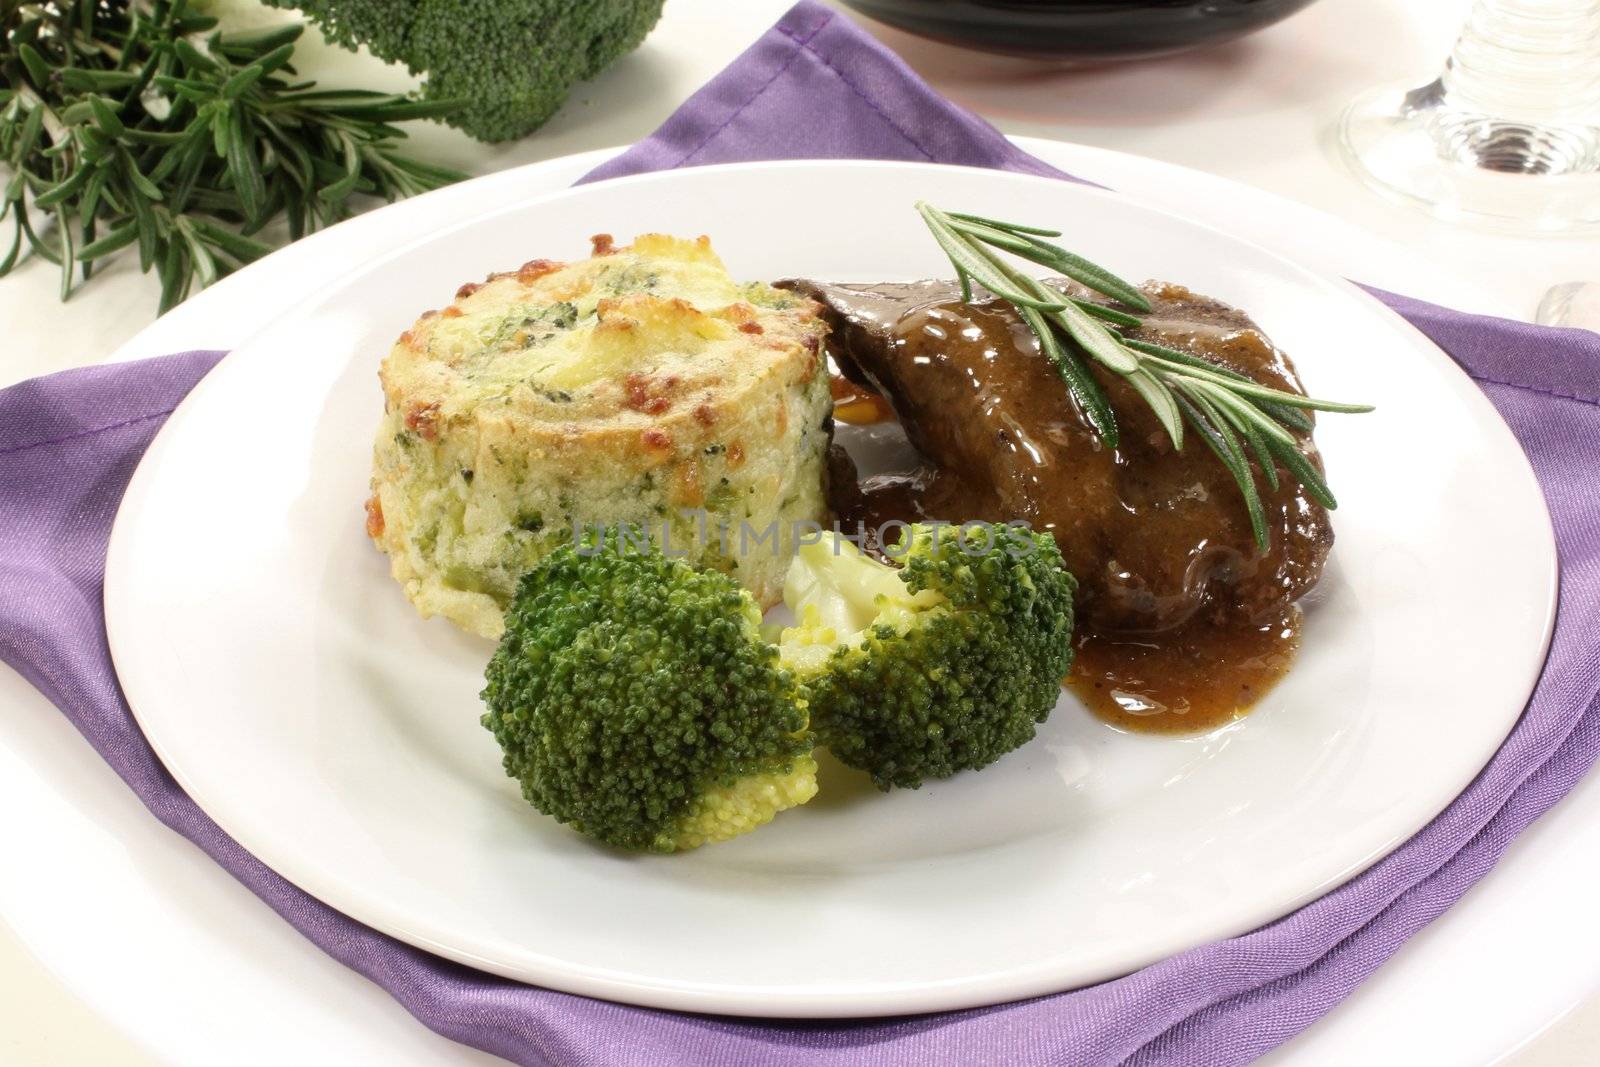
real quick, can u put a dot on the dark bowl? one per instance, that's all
(1080, 29)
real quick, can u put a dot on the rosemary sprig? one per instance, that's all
(1248, 426)
(135, 123)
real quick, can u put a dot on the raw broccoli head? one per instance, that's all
(511, 62)
(634, 699)
(942, 664)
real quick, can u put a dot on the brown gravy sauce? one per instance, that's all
(1184, 681)
(1188, 680)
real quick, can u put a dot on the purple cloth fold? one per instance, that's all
(815, 86)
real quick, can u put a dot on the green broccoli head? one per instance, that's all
(942, 664)
(634, 698)
(512, 62)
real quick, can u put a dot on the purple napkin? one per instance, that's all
(815, 86)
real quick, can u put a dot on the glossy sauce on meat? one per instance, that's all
(1178, 608)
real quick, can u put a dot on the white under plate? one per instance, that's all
(289, 688)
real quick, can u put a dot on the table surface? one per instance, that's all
(1259, 111)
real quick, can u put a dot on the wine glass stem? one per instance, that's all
(1508, 134)
(1531, 61)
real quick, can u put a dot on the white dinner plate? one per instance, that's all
(290, 689)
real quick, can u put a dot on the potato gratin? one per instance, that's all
(642, 385)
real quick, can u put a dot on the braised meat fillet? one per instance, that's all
(1156, 537)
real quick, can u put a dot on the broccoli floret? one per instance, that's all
(634, 698)
(510, 62)
(942, 664)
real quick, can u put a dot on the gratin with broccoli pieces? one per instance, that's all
(636, 699)
(642, 385)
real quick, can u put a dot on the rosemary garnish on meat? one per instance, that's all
(1237, 417)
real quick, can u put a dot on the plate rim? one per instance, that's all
(880, 999)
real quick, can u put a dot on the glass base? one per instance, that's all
(1571, 304)
(1527, 177)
